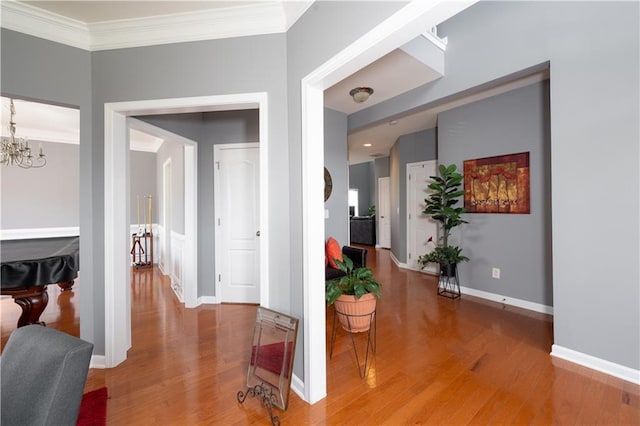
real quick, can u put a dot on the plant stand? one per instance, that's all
(371, 338)
(448, 284)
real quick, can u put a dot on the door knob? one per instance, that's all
(257, 233)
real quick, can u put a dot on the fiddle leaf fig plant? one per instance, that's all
(441, 206)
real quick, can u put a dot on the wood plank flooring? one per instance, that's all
(438, 361)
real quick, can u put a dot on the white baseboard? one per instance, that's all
(208, 300)
(24, 234)
(604, 366)
(297, 386)
(396, 261)
(507, 300)
(98, 361)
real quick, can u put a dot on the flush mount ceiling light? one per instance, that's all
(361, 94)
(367, 144)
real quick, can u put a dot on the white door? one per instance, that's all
(384, 213)
(419, 227)
(237, 222)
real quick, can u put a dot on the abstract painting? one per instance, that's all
(497, 184)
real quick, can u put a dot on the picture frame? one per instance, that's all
(499, 184)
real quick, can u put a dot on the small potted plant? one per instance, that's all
(441, 207)
(354, 295)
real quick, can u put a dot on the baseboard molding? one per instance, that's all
(98, 361)
(208, 300)
(297, 386)
(507, 300)
(598, 364)
(397, 262)
(28, 233)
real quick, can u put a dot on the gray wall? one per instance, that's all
(335, 160)
(593, 127)
(518, 244)
(142, 182)
(207, 129)
(28, 64)
(412, 148)
(46, 197)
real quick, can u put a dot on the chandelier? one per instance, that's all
(17, 152)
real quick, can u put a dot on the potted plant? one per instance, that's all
(354, 295)
(441, 206)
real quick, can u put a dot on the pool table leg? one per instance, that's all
(33, 300)
(66, 285)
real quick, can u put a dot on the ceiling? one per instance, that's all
(394, 74)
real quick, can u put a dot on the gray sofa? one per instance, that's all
(43, 377)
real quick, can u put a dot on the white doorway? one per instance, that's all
(419, 227)
(384, 213)
(117, 280)
(237, 227)
(409, 22)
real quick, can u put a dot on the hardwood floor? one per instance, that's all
(438, 361)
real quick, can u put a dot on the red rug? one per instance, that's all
(93, 409)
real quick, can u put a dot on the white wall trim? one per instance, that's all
(176, 258)
(297, 385)
(208, 300)
(28, 233)
(397, 262)
(24, 18)
(404, 25)
(97, 361)
(598, 364)
(505, 300)
(508, 300)
(216, 23)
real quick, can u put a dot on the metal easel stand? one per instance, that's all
(371, 338)
(448, 284)
(266, 395)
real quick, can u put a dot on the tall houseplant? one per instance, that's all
(354, 295)
(441, 206)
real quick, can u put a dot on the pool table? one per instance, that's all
(29, 266)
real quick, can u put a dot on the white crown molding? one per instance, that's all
(262, 18)
(31, 20)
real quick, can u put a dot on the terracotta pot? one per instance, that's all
(355, 315)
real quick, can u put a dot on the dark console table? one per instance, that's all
(28, 266)
(363, 230)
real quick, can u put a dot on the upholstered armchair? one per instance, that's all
(43, 377)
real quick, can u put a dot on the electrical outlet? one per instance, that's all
(495, 273)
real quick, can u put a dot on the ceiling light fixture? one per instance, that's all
(361, 94)
(18, 152)
(367, 144)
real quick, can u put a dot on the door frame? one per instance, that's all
(117, 279)
(410, 235)
(216, 188)
(190, 249)
(386, 179)
(401, 27)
